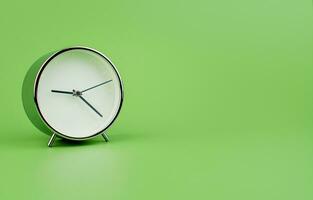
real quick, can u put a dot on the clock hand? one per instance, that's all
(82, 98)
(59, 91)
(78, 94)
(96, 85)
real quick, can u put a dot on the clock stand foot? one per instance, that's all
(105, 137)
(51, 140)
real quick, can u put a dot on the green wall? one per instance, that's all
(218, 100)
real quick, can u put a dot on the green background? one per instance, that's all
(218, 100)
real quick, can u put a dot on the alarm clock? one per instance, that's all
(74, 93)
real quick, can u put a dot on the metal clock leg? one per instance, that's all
(105, 137)
(51, 140)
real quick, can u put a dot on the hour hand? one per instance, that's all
(60, 91)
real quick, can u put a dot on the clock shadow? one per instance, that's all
(114, 138)
(30, 140)
(61, 142)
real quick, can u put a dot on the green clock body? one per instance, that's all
(28, 94)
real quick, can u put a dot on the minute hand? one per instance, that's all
(96, 85)
(82, 98)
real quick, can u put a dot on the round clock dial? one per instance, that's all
(78, 93)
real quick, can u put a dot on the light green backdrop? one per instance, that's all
(218, 100)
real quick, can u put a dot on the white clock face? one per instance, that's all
(78, 93)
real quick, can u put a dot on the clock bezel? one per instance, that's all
(38, 75)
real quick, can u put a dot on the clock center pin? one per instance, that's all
(77, 93)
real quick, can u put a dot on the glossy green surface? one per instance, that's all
(218, 101)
